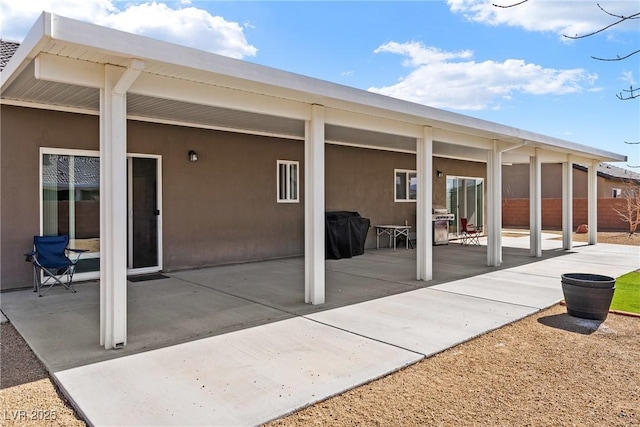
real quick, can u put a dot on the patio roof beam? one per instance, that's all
(70, 71)
(522, 153)
(354, 120)
(452, 151)
(218, 96)
(129, 76)
(461, 139)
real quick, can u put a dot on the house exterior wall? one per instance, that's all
(515, 202)
(364, 181)
(222, 209)
(515, 182)
(23, 132)
(454, 167)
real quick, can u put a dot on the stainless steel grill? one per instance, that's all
(443, 217)
(440, 218)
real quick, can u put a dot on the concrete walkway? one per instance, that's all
(254, 375)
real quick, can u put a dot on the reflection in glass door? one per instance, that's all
(70, 204)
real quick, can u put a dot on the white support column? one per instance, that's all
(494, 206)
(567, 204)
(592, 201)
(535, 205)
(314, 254)
(424, 202)
(113, 204)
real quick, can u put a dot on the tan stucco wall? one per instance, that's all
(220, 210)
(22, 133)
(515, 182)
(363, 181)
(453, 167)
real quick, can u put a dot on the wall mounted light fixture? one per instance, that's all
(193, 156)
(439, 173)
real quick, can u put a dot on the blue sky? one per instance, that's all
(510, 66)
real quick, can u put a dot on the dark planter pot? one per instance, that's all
(588, 296)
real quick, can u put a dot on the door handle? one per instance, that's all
(156, 212)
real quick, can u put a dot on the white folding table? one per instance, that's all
(393, 231)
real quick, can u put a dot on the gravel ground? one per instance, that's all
(549, 369)
(27, 395)
(606, 237)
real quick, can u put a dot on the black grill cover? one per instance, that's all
(345, 234)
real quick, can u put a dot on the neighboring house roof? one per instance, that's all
(56, 171)
(612, 172)
(7, 49)
(615, 172)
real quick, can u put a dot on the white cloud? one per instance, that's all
(627, 77)
(186, 25)
(418, 54)
(454, 80)
(563, 17)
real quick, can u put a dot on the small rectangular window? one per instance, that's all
(288, 174)
(616, 192)
(406, 185)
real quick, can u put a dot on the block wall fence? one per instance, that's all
(515, 214)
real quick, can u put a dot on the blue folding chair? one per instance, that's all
(50, 256)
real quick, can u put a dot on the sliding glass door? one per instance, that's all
(465, 199)
(70, 204)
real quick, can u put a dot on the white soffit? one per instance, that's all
(145, 106)
(365, 138)
(26, 88)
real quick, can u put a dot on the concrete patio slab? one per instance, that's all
(243, 378)
(549, 241)
(61, 327)
(510, 287)
(280, 284)
(196, 355)
(608, 260)
(426, 321)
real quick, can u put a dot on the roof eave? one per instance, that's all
(29, 48)
(306, 89)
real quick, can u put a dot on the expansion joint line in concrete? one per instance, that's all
(235, 296)
(364, 336)
(486, 299)
(301, 316)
